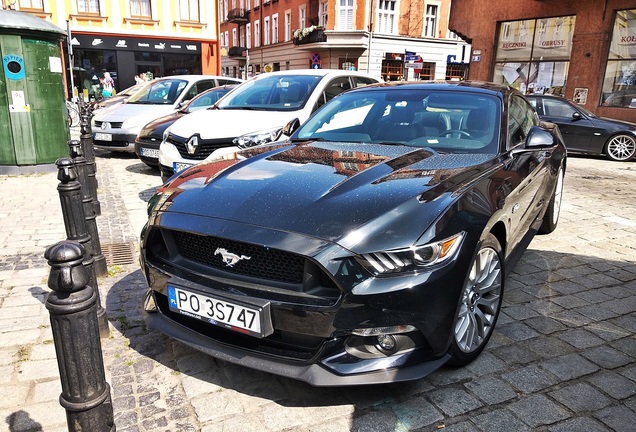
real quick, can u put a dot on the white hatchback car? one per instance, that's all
(116, 127)
(253, 113)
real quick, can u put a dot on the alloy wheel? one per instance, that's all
(621, 147)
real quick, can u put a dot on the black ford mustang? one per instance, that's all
(372, 246)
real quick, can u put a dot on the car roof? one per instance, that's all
(315, 72)
(462, 86)
(193, 77)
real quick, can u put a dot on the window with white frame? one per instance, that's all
(242, 36)
(257, 33)
(227, 38)
(430, 21)
(345, 15)
(36, 5)
(83, 6)
(266, 28)
(234, 38)
(323, 9)
(302, 16)
(288, 29)
(189, 10)
(248, 35)
(140, 8)
(275, 28)
(386, 17)
(257, 3)
(247, 5)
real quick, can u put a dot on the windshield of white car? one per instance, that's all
(444, 120)
(272, 93)
(161, 92)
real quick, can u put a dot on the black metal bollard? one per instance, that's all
(72, 307)
(75, 224)
(76, 153)
(86, 140)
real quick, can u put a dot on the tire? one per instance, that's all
(73, 117)
(551, 216)
(480, 303)
(620, 148)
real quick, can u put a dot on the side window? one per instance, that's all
(521, 118)
(225, 81)
(333, 89)
(362, 81)
(556, 108)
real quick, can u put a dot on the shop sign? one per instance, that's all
(88, 41)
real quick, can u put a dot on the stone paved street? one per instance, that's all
(563, 356)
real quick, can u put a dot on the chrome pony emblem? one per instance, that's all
(230, 258)
(192, 144)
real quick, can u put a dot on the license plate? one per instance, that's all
(103, 136)
(253, 320)
(180, 166)
(153, 153)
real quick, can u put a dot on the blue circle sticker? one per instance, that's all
(13, 66)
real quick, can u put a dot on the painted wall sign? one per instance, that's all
(13, 66)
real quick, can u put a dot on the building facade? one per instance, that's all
(583, 50)
(392, 39)
(127, 38)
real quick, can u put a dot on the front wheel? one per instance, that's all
(551, 216)
(480, 303)
(621, 147)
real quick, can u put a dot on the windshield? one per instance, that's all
(444, 120)
(161, 92)
(272, 93)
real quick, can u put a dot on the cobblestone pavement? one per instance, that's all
(563, 356)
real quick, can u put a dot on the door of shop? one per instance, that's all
(150, 69)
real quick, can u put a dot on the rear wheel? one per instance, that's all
(621, 147)
(551, 216)
(480, 303)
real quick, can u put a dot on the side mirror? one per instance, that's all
(291, 127)
(576, 115)
(539, 138)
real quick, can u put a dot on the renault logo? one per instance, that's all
(192, 144)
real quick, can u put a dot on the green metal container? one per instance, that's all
(33, 128)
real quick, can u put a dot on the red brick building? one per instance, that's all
(582, 49)
(394, 39)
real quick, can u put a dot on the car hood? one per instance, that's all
(361, 196)
(231, 123)
(156, 128)
(617, 124)
(125, 111)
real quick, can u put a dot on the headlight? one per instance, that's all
(416, 257)
(166, 134)
(257, 138)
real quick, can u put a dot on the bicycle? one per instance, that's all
(72, 114)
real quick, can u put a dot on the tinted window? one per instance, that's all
(521, 119)
(558, 108)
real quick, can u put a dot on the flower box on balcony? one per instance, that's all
(311, 34)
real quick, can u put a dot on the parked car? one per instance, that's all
(119, 96)
(372, 246)
(149, 138)
(253, 114)
(116, 127)
(584, 132)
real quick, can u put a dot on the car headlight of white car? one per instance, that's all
(257, 138)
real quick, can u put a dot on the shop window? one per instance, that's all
(31, 5)
(456, 71)
(189, 10)
(140, 9)
(533, 56)
(392, 70)
(619, 85)
(428, 71)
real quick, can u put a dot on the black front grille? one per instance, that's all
(203, 150)
(258, 262)
(111, 143)
(114, 125)
(263, 272)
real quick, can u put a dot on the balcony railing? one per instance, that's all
(309, 35)
(237, 52)
(238, 15)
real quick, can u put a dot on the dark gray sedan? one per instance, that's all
(584, 132)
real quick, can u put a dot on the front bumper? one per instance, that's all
(120, 140)
(327, 374)
(148, 151)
